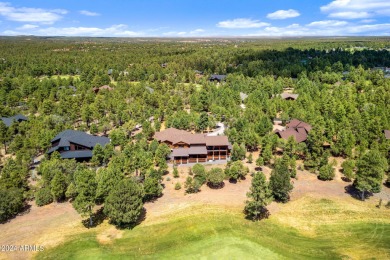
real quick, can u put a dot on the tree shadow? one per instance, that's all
(258, 169)
(140, 219)
(234, 181)
(216, 187)
(346, 179)
(356, 194)
(265, 214)
(97, 218)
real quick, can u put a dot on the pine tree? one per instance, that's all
(215, 177)
(280, 181)
(260, 196)
(370, 172)
(58, 186)
(86, 192)
(125, 202)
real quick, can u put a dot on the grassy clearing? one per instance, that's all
(302, 229)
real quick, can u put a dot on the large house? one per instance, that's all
(72, 144)
(16, 118)
(194, 148)
(217, 78)
(298, 129)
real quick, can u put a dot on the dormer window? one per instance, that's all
(66, 148)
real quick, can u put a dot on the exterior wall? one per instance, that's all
(181, 145)
(76, 147)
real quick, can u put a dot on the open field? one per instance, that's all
(321, 221)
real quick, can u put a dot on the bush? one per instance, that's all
(43, 197)
(192, 185)
(199, 173)
(11, 203)
(236, 170)
(327, 173)
(177, 186)
(215, 177)
(175, 172)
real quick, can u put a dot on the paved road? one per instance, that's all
(220, 130)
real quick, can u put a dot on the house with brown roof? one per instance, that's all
(105, 87)
(387, 134)
(289, 96)
(194, 148)
(296, 128)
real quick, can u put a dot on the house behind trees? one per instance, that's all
(194, 148)
(72, 144)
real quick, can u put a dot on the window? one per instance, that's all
(66, 148)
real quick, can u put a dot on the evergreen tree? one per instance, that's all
(260, 196)
(199, 173)
(11, 202)
(280, 183)
(86, 185)
(326, 173)
(58, 186)
(124, 203)
(215, 177)
(370, 172)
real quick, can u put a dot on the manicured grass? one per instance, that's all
(222, 233)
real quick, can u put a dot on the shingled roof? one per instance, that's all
(387, 134)
(77, 137)
(16, 118)
(295, 128)
(175, 136)
(217, 77)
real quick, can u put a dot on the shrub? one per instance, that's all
(236, 170)
(327, 173)
(175, 172)
(177, 186)
(215, 177)
(11, 202)
(192, 185)
(43, 197)
(199, 172)
(168, 179)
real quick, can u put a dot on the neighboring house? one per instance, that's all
(151, 90)
(72, 144)
(387, 134)
(198, 73)
(105, 87)
(243, 96)
(16, 118)
(296, 128)
(194, 148)
(217, 78)
(288, 96)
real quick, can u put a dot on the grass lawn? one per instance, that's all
(304, 229)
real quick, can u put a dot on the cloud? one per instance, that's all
(350, 15)
(327, 23)
(241, 23)
(119, 30)
(325, 28)
(27, 27)
(35, 15)
(197, 31)
(283, 14)
(356, 9)
(88, 13)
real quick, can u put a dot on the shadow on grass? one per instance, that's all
(140, 219)
(264, 214)
(97, 218)
(356, 194)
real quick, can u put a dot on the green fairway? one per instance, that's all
(220, 233)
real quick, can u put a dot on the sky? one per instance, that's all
(195, 18)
